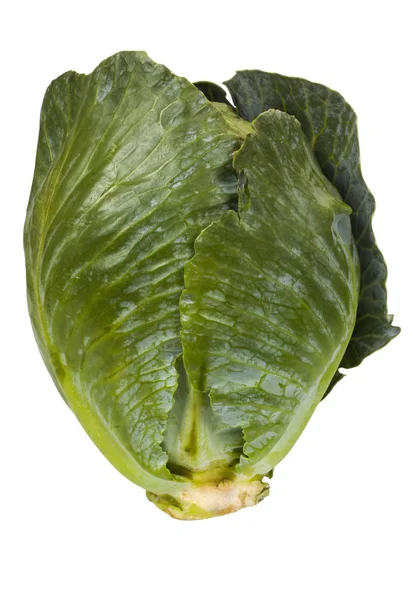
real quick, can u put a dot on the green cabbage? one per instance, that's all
(197, 273)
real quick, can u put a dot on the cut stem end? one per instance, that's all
(208, 500)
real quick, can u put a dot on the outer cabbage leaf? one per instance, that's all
(132, 163)
(271, 294)
(329, 124)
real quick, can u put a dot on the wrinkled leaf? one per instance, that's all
(329, 124)
(271, 294)
(132, 163)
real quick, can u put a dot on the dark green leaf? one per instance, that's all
(212, 91)
(329, 124)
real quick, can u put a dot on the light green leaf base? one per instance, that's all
(208, 500)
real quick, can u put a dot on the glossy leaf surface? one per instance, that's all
(329, 123)
(132, 163)
(271, 294)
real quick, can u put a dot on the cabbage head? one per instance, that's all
(198, 272)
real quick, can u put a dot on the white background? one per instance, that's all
(340, 521)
